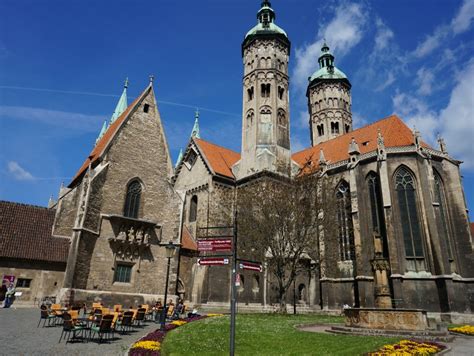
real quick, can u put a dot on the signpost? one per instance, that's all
(213, 261)
(225, 243)
(214, 245)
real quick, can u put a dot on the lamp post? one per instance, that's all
(170, 249)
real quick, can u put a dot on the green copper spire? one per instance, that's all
(102, 131)
(327, 69)
(122, 103)
(180, 157)
(195, 131)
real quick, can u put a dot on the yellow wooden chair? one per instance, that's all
(118, 308)
(96, 305)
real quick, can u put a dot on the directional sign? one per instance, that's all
(205, 245)
(213, 261)
(251, 266)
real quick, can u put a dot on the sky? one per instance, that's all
(63, 64)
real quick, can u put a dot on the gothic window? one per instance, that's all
(344, 222)
(191, 158)
(334, 127)
(132, 200)
(250, 93)
(320, 130)
(442, 214)
(376, 207)
(250, 116)
(146, 107)
(330, 102)
(347, 128)
(193, 209)
(262, 62)
(269, 62)
(281, 92)
(265, 88)
(409, 220)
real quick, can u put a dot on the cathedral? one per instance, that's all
(128, 200)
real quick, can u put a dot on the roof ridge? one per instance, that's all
(26, 204)
(214, 144)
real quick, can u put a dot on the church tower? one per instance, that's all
(265, 116)
(329, 100)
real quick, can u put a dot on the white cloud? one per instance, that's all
(342, 33)
(358, 121)
(431, 42)
(63, 119)
(18, 172)
(454, 123)
(463, 19)
(388, 81)
(424, 79)
(383, 36)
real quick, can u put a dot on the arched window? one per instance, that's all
(344, 222)
(376, 208)
(442, 214)
(410, 223)
(132, 200)
(193, 209)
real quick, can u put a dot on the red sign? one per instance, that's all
(213, 261)
(206, 245)
(251, 266)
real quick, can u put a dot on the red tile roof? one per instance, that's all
(103, 143)
(25, 233)
(219, 158)
(472, 229)
(392, 128)
(187, 240)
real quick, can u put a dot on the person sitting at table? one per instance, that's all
(178, 310)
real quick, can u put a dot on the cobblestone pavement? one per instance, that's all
(19, 335)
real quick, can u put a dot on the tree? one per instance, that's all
(280, 221)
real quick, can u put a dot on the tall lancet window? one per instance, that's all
(193, 209)
(442, 215)
(410, 223)
(344, 222)
(132, 200)
(376, 207)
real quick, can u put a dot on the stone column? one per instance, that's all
(381, 268)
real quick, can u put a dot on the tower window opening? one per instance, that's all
(193, 209)
(320, 130)
(281, 92)
(250, 93)
(348, 128)
(334, 127)
(265, 88)
(146, 108)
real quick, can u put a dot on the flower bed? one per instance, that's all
(409, 347)
(150, 344)
(466, 329)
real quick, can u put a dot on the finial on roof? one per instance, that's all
(51, 201)
(152, 78)
(195, 131)
(416, 137)
(322, 159)
(121, 105)
(180, 157)
(102, 132)
(353, 147)
(380, 139)
(442, 144)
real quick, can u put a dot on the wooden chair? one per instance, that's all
(47, 316)
(56, 309)
(70, 327)
(169, 314)
(96, 305)
(74, 314)
(104, 328)
(118, 308)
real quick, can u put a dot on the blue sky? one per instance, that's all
(62, 67)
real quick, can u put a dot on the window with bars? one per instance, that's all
(407, 204)
(132, 200)
(123, 273)
(441, 214)
(23, 283)
(344, 222)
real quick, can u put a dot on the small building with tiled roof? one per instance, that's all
(28, 251)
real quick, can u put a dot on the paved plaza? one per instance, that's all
(19, 335)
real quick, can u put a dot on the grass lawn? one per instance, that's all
(266, 334)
